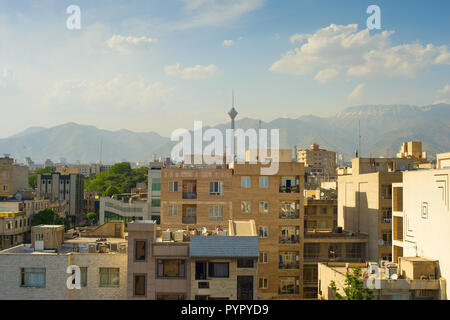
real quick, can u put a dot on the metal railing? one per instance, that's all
(291, 239)
(189, 219)
(291, 189)
(189, 195)
(287, 266)
(290, 215)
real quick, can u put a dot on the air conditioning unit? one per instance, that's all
(179, 236)
(166, 236)
(113, 247)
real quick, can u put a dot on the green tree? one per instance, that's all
(354, 287)
(92, 216)
(49, 216)
(119, 179)
(32, 178)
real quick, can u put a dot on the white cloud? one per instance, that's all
(200, 13)
(357, 53)
(326, 75)
(227, 43)
(116, 94)
(357, 93)
(197, 72)
(128, 44)
(443, 95)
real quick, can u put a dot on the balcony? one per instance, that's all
(386, 221)
(289, 290)
(290, 214)
(289, 266)
(189, 195)
(189, 219)
(386, 196)
(289, 240)
(290, 189)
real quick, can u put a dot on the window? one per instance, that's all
(263, 283)
(139, 285)
(424, 210)
(140, 250)
(200, 270)
(109, 277)
(263, 257)
(172, 210)
(173, 186)
(288, 285)
(246, 207)
(218, 269)
(172, 268)
(324, 224)
(323, 210)
(386, 192)
(263, 182)
(387, 215)
(5, 187)
(216, 188)
(156, 186)
(245, 263)
(170, 297)
(156, 202)
(39, 237)
(33, 277)
(264, 207)
(83, 271)
(245, 182)
(216, 213)
(263, 232)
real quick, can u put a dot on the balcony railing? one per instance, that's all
(189, 195)
(386, 220)
(189, 220)
(287, 266)
(290, 215)
(386, 196)
(289, 290)
(291, 239)
(291, 189)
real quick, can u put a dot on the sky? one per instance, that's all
(159, 65)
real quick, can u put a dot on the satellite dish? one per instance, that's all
(394, 276)
(204, 230)
(380, 242)
(18, 197)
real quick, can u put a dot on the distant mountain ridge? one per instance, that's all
(383, 129)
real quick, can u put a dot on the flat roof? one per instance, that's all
(224, 246)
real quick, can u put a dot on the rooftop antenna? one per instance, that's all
(359, 137)
(101, 149)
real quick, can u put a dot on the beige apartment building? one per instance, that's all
(404, 281)
(320, 214)
(318, 161)
(365, 201)
(323, 247)
(421, 212)
(443, 160)
(210, 196)
(182, 265)
(13, 178)
(14, 229)
(35, 273)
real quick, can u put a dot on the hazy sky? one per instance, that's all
(160, 65)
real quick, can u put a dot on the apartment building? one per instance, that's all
(188, 265)
(32, 273)
(14, 229)
(124, 208)
(209, 196)
(154, 190)
(443, 160)
(323, 247)
(69, 188)
(196, 196)
(275, 202)
(421, 218)
(13, 178)
(320, 214)
(404, 281)
(365, 201)
(318, 162)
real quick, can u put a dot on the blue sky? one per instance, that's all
(160, 65)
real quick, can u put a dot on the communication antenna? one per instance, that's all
(359, 138)
(101, 149)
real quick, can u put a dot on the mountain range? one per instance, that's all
(382, 128)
